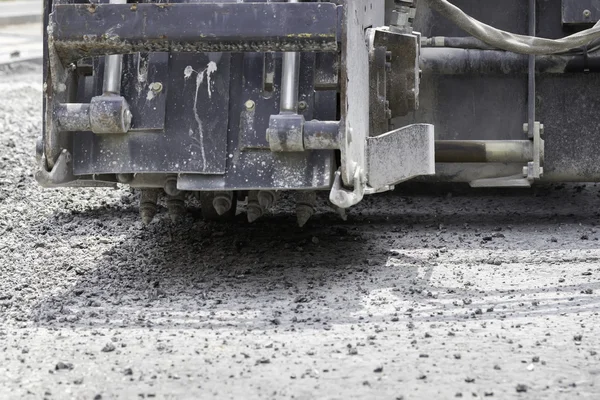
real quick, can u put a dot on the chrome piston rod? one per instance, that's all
(483, 151)
(113, 68)
(290, 79)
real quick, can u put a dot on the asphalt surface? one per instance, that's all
(486, 294)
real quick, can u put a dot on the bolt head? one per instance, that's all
(587, 13)
(156, 87)
(250, 105)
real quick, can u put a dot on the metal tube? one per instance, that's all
(454, 61)
(73, 117)
(531, 89)
(483, 151)
(113, 68)
(290, 79)
(322, 135)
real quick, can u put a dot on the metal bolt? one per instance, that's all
(250, 105)
(587, 13)
(156, 87)
(302, 105)
(127, 117)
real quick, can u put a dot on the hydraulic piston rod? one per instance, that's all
(290, 79)
(113, 68)
(483, 151)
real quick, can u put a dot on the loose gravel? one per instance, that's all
(418, 295)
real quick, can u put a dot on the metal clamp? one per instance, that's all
(105, 114)
(344, 198)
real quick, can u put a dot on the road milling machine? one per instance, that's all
(240, 100)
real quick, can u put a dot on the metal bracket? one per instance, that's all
(531, 172)
(61, 172)
(344, 198)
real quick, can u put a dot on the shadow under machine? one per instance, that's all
(240, 100)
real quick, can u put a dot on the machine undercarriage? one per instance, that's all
(240, 100)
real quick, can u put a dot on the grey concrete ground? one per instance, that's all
(20, 31)
(20, 12)
(418, 296)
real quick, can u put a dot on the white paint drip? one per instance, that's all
(210, 69)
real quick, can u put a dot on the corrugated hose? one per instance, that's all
(515, 43)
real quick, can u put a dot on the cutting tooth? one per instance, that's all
(223, 202)
(176, 207)
(305, 208)
(148, 207)
(267, 199)
(254, 209)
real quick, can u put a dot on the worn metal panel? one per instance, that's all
(580, 12)
(568, 108)
(472, 107)
(148, 106)
(248, 166)
(359, 15)
(195, 135)
(259, 169)
(100, 29)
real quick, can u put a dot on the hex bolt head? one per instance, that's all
(302, 105)
(250, 105)
(156, 87)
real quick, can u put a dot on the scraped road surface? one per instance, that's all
(458, 294)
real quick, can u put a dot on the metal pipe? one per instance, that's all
(290, 80)
(322, 135)
(453, 61)
(483, 151)
(113, 68)
(73, 117)
(531, 73)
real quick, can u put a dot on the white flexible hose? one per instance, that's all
(500, 39)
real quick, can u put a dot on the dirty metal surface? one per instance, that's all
(250, 164)
(359, 15)
(580, 12)
(195, 134)
(255, 120)
(146, 85)
(81, 30)
(258, 169)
